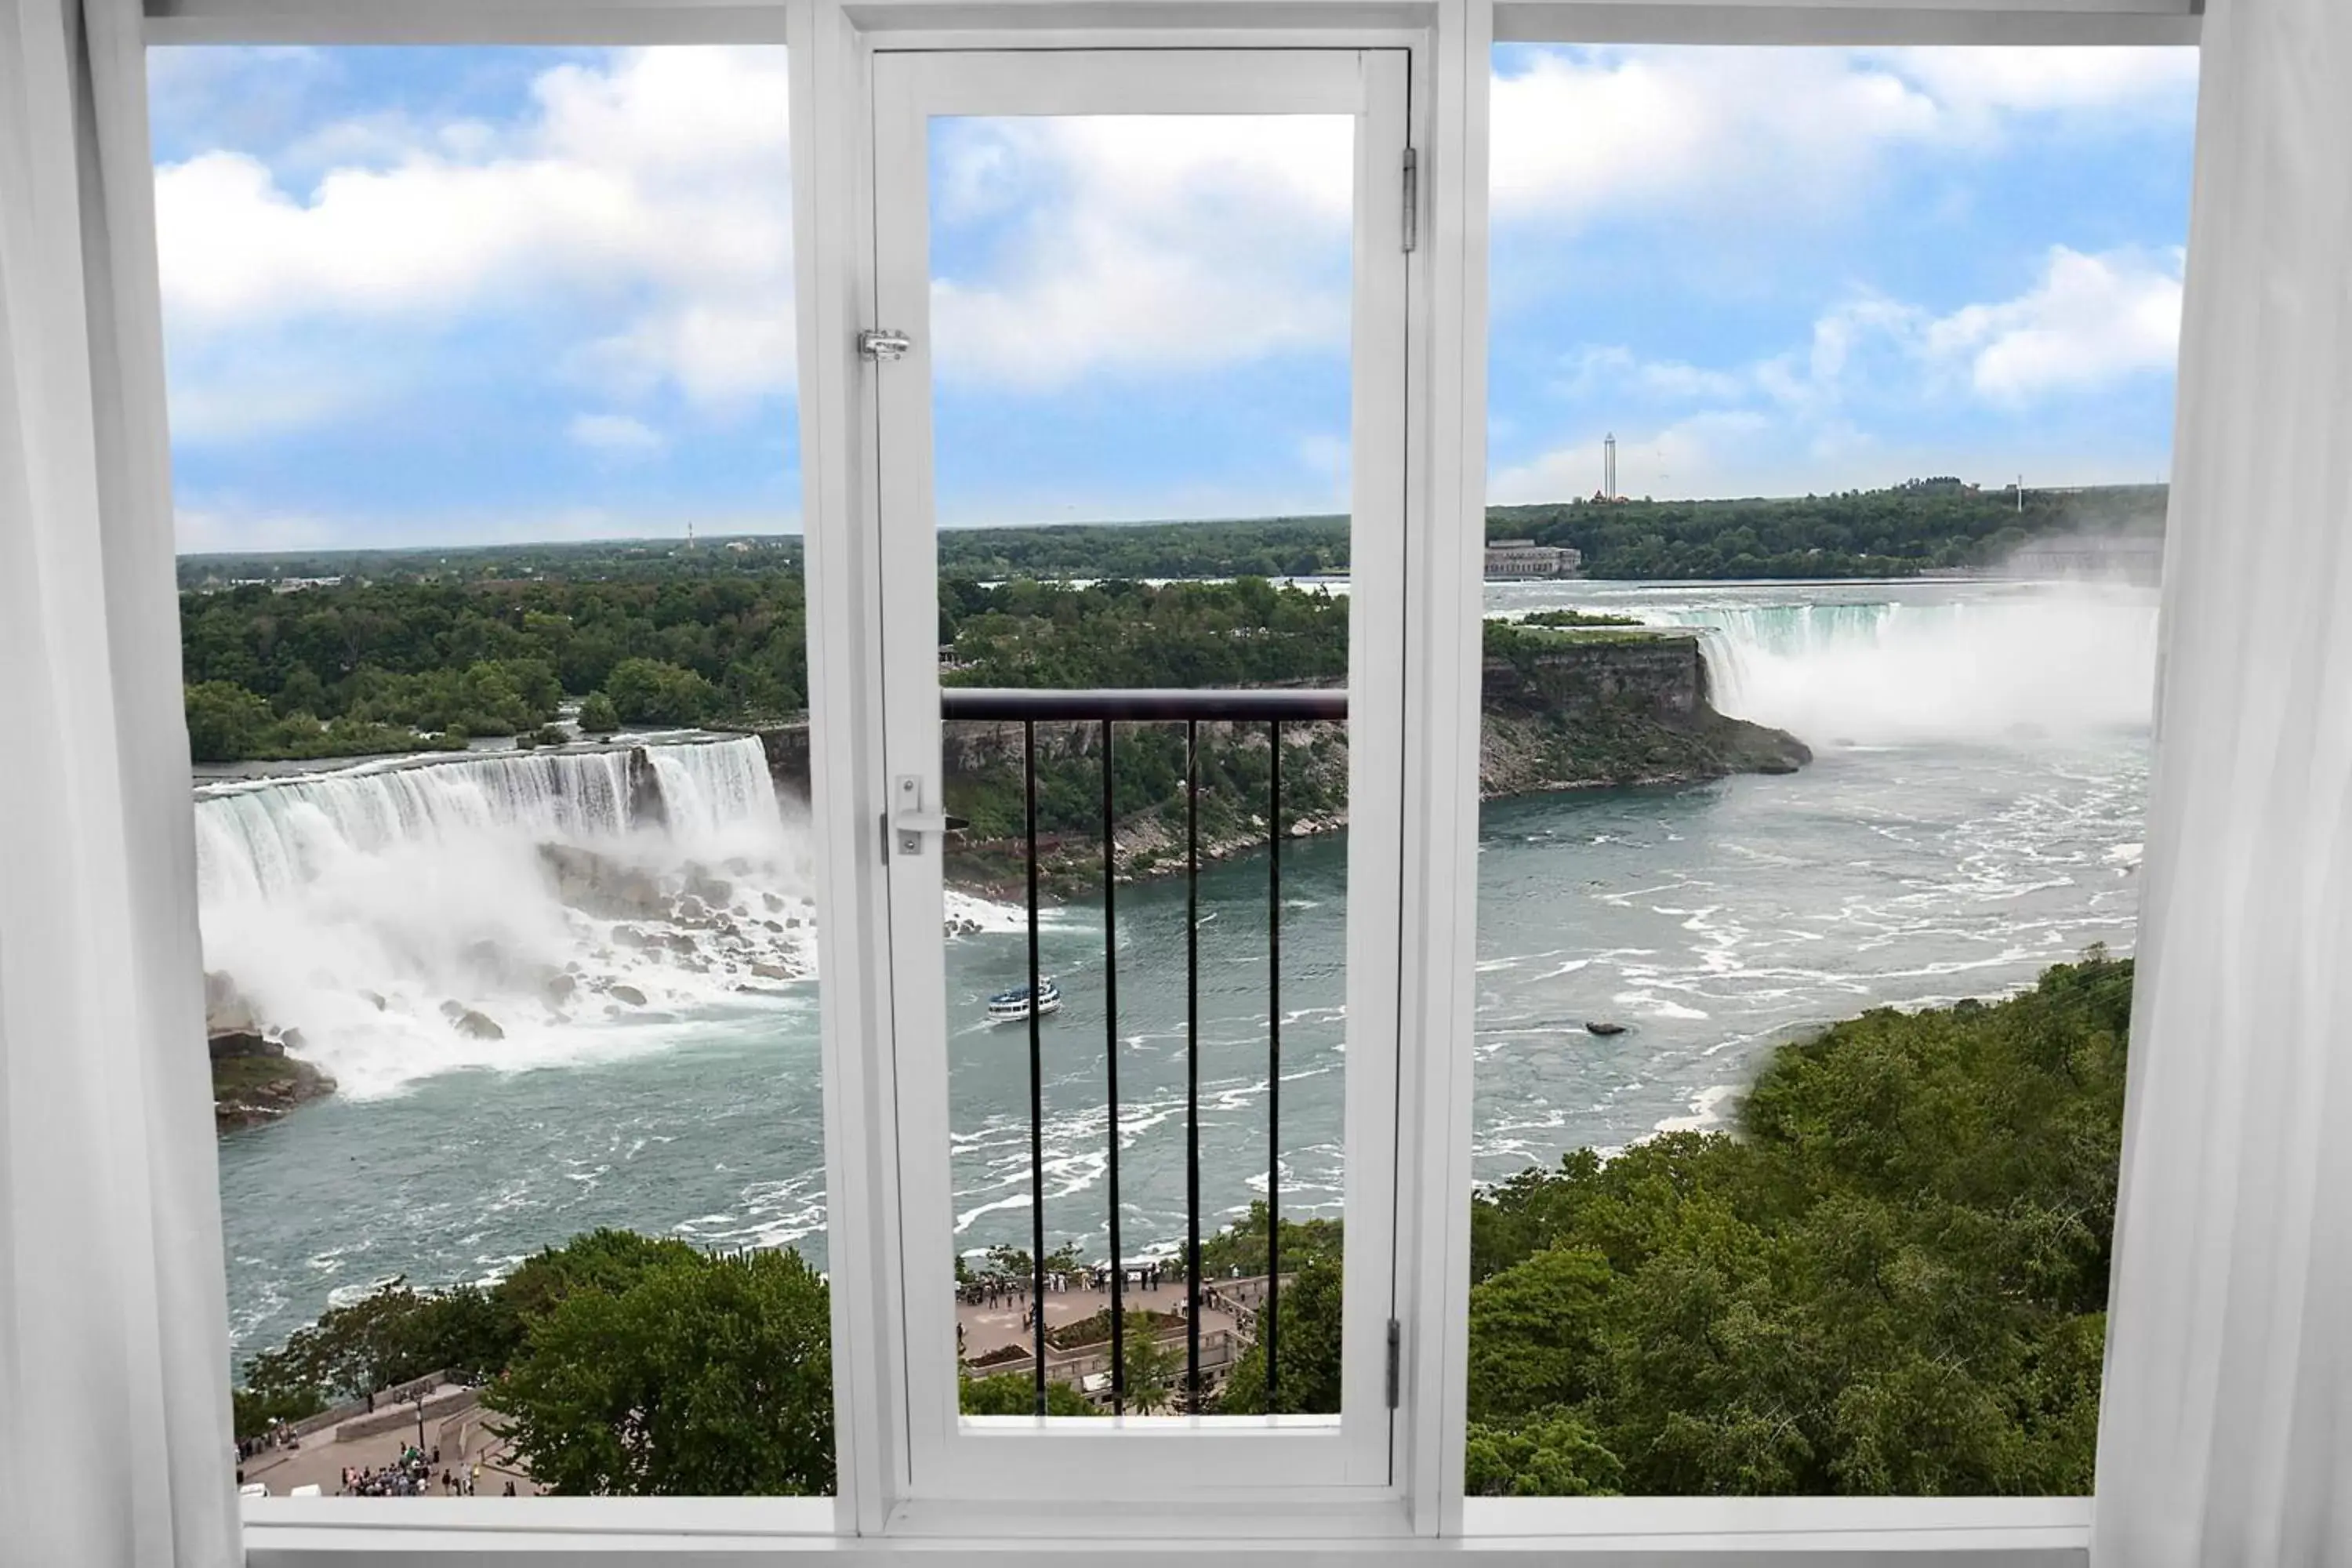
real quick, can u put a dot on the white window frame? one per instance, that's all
(1427, 1516)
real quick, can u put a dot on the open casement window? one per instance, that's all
(1125, 980)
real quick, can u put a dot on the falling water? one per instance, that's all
(504, 911)
(2059, 661)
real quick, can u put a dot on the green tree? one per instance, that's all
(710, 1377)
(1015, 1393)
(1154, 1368)
(1240, 1247)
(1307, 1347)
(1536, 1333)
(597, 716)
(1893, 1280)
(653, 691)
(1555, 1454)
(224, 721)
(604, 1260)
(384, 1338)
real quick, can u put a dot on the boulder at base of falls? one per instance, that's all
(629, 993)
(1603, 1027)
(599, 885)
(472, 1024)
(255, 1081)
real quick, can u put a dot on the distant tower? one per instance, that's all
(689, 536)
(1609, 467)
(2021, 495)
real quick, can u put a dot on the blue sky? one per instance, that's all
(433, 296)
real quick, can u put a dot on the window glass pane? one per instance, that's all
(1143, 334)
(1831, 407)
(481, 394)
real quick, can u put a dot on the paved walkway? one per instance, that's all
(321, 1460)
(987, 1328)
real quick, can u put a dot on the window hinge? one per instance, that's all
(1412, 198)
(1396, 1359)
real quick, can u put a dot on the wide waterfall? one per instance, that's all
(2057, 661)
(500, 911)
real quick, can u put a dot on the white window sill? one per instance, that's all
(1655, 1533)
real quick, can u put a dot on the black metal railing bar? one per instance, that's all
(1272, 1056)
(1192, 1067)
(1110, 1079)
(1036, 1071)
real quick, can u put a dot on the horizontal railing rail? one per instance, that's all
(1144, 704)
(1273, 707)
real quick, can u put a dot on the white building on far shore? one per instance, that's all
(1526, 558)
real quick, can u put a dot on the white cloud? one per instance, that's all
(1144, 243)
(2046, 80)
(2092, 321)
(615, 435)
(651, 189)
(1592, 131)
(1795, 421)
(1621, 371)
(1582, 132)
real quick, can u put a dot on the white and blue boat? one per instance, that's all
(1010, 1006)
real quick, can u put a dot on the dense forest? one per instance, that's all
(355, 668)
(1925, 525)
(1890, 1279)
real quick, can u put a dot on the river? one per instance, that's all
(1972, 815)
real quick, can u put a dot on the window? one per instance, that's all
(497, 681)
(501, 294)
(1807, 872)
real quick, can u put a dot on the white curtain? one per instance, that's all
(2226, 1430)
(114, 1426)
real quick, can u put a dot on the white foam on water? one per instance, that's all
(1709, 1108)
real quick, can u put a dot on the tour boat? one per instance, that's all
(1009, 1006)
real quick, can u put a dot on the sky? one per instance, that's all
(440, 296)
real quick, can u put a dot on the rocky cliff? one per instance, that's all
(255, 1077)
(1588, 710)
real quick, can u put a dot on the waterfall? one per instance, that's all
(501, 910)
(267, 837)
(2052, 662)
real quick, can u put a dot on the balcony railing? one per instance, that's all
(1274, 707)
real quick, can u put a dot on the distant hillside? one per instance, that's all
(1928, 525)
(1925, 526)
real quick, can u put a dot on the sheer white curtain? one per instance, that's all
(113, 1352)
(2226, 1432)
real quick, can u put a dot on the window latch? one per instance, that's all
(908, 822)
(879, 345)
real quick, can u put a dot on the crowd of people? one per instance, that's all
(410, 1474)
(1009, 1290)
